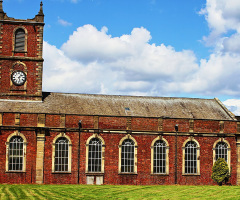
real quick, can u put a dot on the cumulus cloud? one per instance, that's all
(129, 64)
(222, 16)
(121, 65)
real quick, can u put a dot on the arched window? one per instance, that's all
(16, 152)
(95, 150)
(19, 40)
(191, 162)
(15, 159)
(159, 159)
(95, 155)
(128, 155)
(221, 149)
(62, 149)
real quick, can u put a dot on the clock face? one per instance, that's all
(18, 78)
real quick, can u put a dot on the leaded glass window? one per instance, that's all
(127, 156)
(16, 154)
(95, 155)
(191, 157)
(159, 158)
(61, 154)
(222, 151)
(20, 40)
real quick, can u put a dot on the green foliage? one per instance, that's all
(220, 171)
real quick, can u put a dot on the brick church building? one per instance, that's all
(59, 138)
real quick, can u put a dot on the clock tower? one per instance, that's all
(21, 62)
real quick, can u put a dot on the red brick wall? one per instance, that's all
(7, 38)
(26, 177)
(206, 126)
(72, 121)
(60, 178)
(230, 127)
(145, 124)
(28, 120)
(112, 140)
(8, 119)
(52, 120)
(113, 123)
(32, 83)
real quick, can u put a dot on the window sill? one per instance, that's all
(61, 172)
(152, 174)
(191, 174)
(94, 173)
(15, 171)
(21, 90)
(127, 173)
(20, 51)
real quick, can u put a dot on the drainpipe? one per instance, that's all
(176, 154)
(79, 133)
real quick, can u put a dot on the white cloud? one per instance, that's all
(117, 65)
(233, 105)
(222, 16)
(96, 62)
(64, 22)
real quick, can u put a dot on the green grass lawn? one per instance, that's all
(117, 192)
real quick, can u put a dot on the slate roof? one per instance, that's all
(113, 105)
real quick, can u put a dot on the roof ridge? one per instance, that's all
(131, 96)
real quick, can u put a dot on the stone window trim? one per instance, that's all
(167, 155)
(69, 154)
(228, 151)
(103, 154)
(183, 157)
(120, 153)
(16, 133)
(13, 40)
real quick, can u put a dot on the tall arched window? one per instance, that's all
(95, 155)
(159, 158)
(128, 155)
(15, 159)
(61, 155)
(95, 150)
(62, 151)
(16, 152)
(221, 149)
(191, 162)
(19, 40)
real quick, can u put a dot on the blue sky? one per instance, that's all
(187, 48)
(162, 18)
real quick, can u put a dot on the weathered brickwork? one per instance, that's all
(31, 58)
(24, 177)
(112, 139)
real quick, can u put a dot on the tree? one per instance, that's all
(220, 171)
